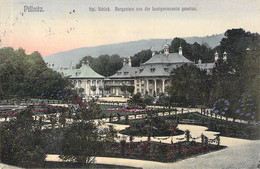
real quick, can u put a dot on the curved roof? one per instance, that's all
(126, 72)
(171, 58)
(155, 70)
(85, 71)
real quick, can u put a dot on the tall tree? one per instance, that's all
(235, 43)
(141, 57)
(24, 75)
(189, 86)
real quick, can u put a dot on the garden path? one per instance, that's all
(240, 153)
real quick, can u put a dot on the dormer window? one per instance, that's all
(166, 69)
(119, 73)
(152, 70)
(77, 73)
(125, 73)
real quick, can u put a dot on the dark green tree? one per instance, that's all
(136, 100)
(141, 57)
(22, 142)
(189, 86)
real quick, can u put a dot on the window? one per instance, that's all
(166, 69)
(119, 73)
(152, 70)
(125, 73)
(141, 70)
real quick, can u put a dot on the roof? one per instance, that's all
(85, 71)
(171, 58)
(162, 64)
(155, 70)
(68, 72)
(126, 72)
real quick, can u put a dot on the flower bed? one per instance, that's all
(155, 151)
(152, 126)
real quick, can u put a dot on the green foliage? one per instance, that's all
(81, 143)
(136, 100)
(147, 99)
(141, 57)
(130, 89)
(22, 142)
(152, 126)
(105, 65)
(164, 100)
(189, 86)
(24, 75)
(192, 51)
(235, 44)
(111, 134)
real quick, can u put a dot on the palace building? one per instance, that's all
(151, 77)
(84, 79)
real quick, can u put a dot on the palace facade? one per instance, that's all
(151, 77)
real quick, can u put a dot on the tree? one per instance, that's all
(136, 100)
(148, 100)
(235, 43)
(123, 89)
(24, 75)
(193, 52)
(141, 57)
(22, 142)
(105, 65)
(82, 141)
(189, 86)
(85, 59)
(130, 89)
(250, 75)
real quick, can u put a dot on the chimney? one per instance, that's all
(153, 52)
(72, 66)
(180, 50)
(124, 62)
(166, 49)
(216, 56)
(129, 62)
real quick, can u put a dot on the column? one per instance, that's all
(135, 91)
(113, 90)
(90, 91)
(147, 85)
(155, 86)
(116, 91)
(96, 88)
(163, 85)
(86, 86)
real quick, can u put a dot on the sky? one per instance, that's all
(64, 24)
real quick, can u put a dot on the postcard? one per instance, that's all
(174, 82)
